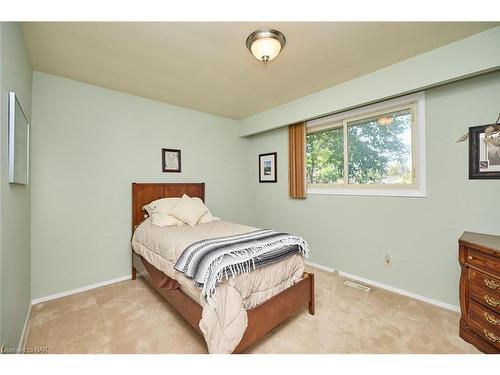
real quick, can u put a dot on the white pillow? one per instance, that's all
(161, 219)
(161, 205)
(159, 212)
(207, 216)
(188, 211)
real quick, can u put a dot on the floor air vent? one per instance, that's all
(353, 284)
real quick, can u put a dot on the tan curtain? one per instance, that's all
(296, 160)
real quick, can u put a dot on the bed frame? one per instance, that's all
(261, 319)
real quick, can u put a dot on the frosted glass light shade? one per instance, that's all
(266, 49)
(266, 44)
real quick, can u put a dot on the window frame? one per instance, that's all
(415, 102)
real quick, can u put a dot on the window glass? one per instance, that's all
(380, 149)
(325, 156)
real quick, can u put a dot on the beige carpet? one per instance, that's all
(129, 317)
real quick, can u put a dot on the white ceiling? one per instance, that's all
(206, 66)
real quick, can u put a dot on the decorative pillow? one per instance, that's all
(188, 211)
(160, 219)
(158, 211)
(207, 216)
(161, 205)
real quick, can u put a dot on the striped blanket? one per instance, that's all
(209, 261)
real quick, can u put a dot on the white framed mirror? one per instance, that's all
(19, 140)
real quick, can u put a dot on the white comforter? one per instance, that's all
(224, 326)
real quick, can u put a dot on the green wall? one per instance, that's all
(88, 145)
(16, 74)
(353, 233)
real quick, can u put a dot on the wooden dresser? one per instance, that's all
(479, 256)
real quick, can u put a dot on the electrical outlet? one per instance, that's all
(387, 259)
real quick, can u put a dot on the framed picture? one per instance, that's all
(484, 153)
(171, 160)
(18, 145)
(267, 167)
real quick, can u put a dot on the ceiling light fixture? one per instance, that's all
(266, 44)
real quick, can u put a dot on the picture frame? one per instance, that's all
(484, 155)
(171, 160)
(18, 142)
(268, 167)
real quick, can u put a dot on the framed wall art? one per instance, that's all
(171, 160)
(267, 167)
(484, 152)
(18, 145)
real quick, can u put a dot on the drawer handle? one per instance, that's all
(491, 284)
(469, 258)
(491, 319)
(491, 301)
(491, 336)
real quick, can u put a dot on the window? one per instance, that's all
(374, 150)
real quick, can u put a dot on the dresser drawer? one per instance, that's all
(484, 261)
(484, 317)
(485, 298)
(485, 333)
(484, 289)
(484, 283)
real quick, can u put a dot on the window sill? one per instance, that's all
(415, 193)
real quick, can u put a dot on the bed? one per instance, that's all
(261, 314)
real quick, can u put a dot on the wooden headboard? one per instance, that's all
(144, 193)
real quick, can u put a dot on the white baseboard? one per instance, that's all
(78, 290)
(319, 266)
(387, 287)
(24, 335)
(400, 291)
